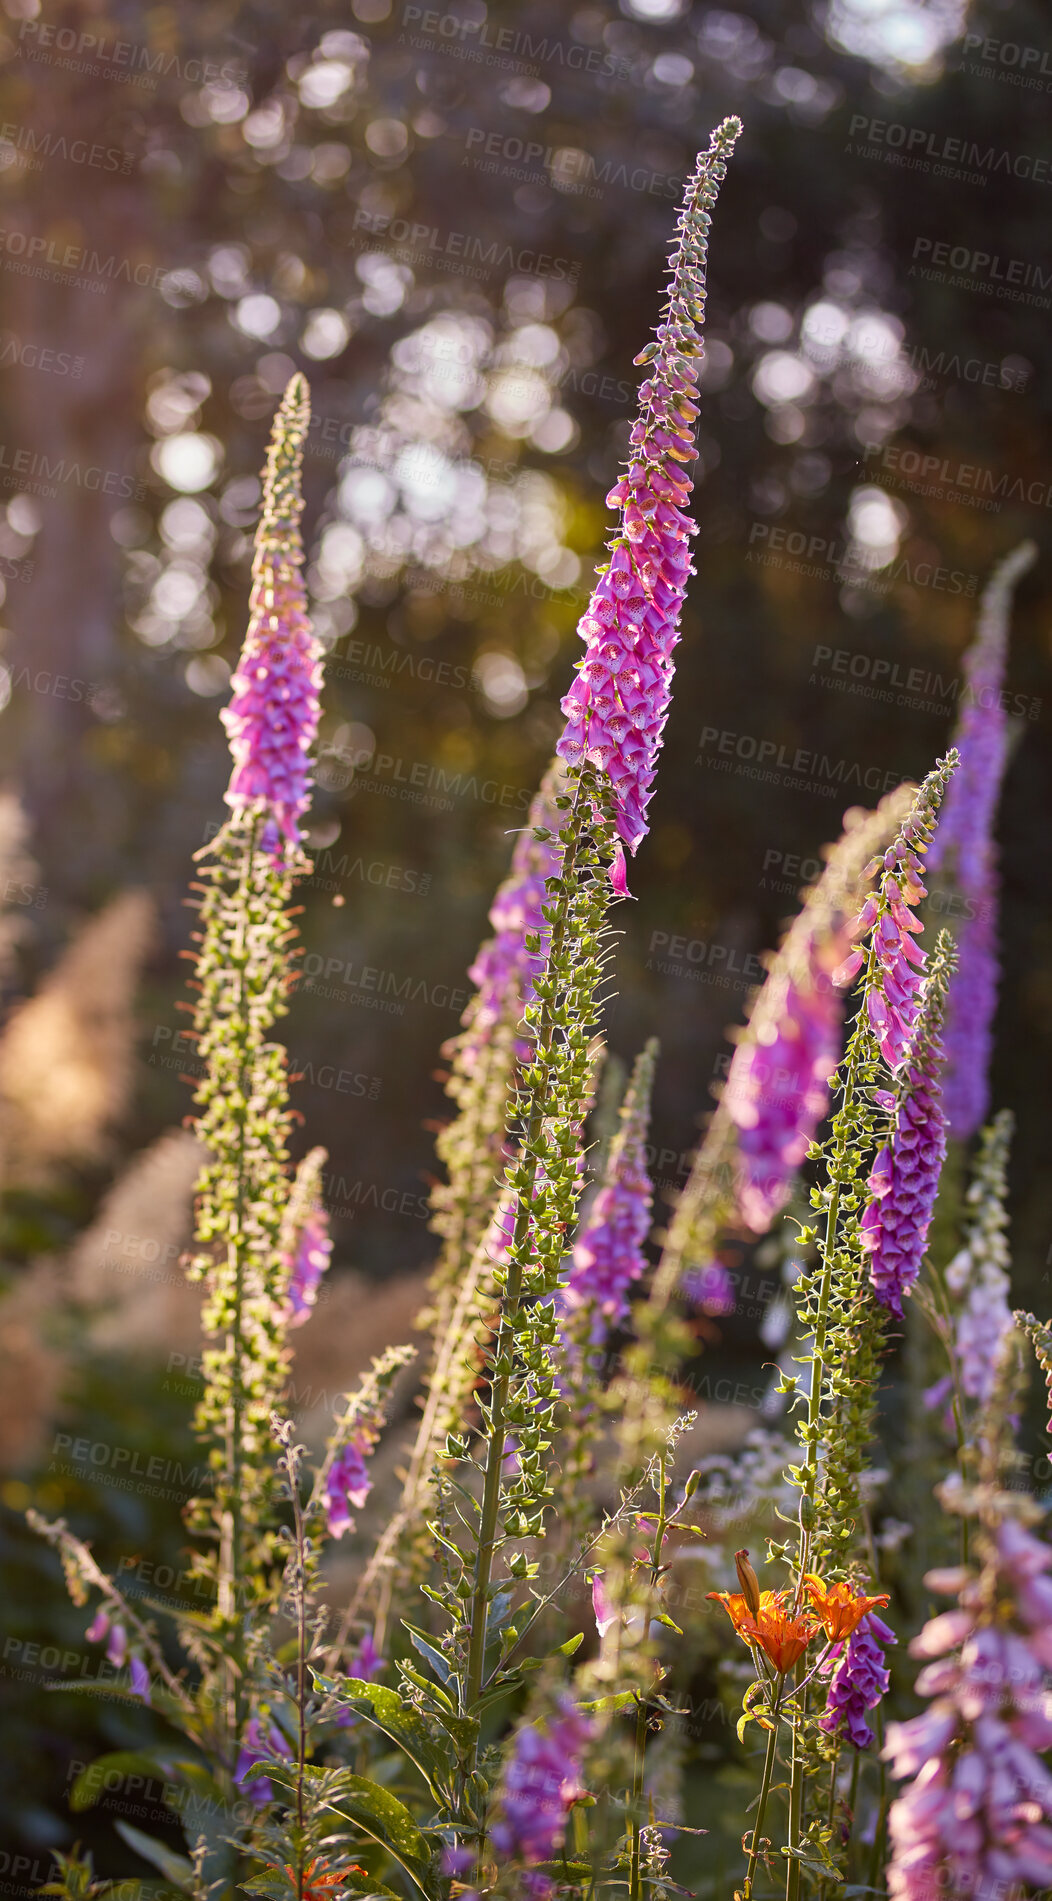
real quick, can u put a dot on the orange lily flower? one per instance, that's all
(838, 1607)
(321, 1883)
(781, 1636)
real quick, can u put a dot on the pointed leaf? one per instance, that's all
(397, 1720)
(174, 1868)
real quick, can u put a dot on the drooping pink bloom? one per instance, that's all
(975, 1818)
(272, 718)
(609, 1253)
(104, 1628)
(859, 1678)
(542, 1781)
(261, 1740)
(618, 704)
(348, 1484)
(965, 849)
(904, 1178)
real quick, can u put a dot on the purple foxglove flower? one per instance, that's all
(272, 718)
(348, 1484)
(618, 704)
(307, 1266)
(541, 1782)
(904, 1178)
(104, 1628)
(894, 1228)
(778, 1083)
(305, 1240)
(710, 1287)
(504, 969)
(609, 1254)
(859, 1677)
(140, 1678)
(970, 1012)
(260, 1740)
(965, 847)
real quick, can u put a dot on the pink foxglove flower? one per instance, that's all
(272, 718)
(261, 1740)
(306, 1243)
(778, 1083)
(965, 849)
(711, 1287)
(618, 704)
(976, 1817)
(541, 1783)
(348, 1484)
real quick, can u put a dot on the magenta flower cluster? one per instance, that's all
(778, 1086)
(541, 1783)
(306, 1263)
(504, 969)
(348, 1483)
(859, 1678)
(904, 1180)
(272, 718)
(261, 1741)
(609, 1253)
(975, 1818)
(618, 704)
(892, 1002)
(107, 1629)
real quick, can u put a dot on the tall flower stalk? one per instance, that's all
(617, 707)
(243, 974)
(965, 851)
(836, 1307)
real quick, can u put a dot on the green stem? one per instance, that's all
(796, 1790)
(765, 1790)
(231, 1583)
(505, 1341)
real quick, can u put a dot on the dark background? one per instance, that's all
(319, 200)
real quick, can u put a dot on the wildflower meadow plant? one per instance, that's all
(491, 1708)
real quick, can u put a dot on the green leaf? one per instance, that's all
(434, 1657)
(386, 1820)
(174, 1868)
(397, 1720)
(568, 1648)
(88, 1786)
(624, 1700)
